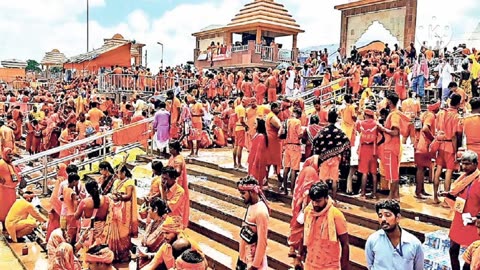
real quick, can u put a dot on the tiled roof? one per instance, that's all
(267, 12)
(95, 53)
(55, 57)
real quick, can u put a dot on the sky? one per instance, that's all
(29, 28)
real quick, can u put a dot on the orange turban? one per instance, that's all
(369, 112)
(172, 225)
(434, 107)
(180, 264)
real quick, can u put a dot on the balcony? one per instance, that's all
(250, 55)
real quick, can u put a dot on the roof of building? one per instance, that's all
(94, 53)
(266, 12)
(212, 27)
(55, 57)
(13, 63)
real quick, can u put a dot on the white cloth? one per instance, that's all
(291, 80)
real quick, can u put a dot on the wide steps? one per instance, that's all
(219, 256)
(414, 210)
(225, 220)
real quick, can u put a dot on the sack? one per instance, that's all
(282, 133)
(241, 265)
(405, 122)
(248, 235)
(368, 135)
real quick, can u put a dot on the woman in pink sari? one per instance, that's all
(54, 215)
(257, 162)
(307, 177)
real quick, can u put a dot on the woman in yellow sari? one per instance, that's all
(122, 221)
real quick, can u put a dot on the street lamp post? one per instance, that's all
(161, 61)
(88, 21)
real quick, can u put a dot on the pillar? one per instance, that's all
(259, 36)
(344, 34)
(410, 22)
(229, 39)
(294, 41)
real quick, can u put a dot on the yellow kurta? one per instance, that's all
(21, 219)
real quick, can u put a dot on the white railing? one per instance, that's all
(130, 82)
(241, 48)
(326, 94)
(258, 48)
(42, 161)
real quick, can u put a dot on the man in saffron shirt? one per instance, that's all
(449, 132)
(464, 198)
(292, 148)
(391, 154)
(174, 107)
(471, 125)
(411, 108)
(367, 151)
(401, 83)
(240, 133)
(174, 194)
(325, 233)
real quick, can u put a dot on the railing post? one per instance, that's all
(45, 175)
(104, 142)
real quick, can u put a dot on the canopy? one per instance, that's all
(106, 56)
(372, 46)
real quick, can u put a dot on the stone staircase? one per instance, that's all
(217, 211)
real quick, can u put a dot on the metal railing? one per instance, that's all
(115, 82)
(42, 161)
(327, 94)
(241, 48)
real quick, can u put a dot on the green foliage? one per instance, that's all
(33, 65)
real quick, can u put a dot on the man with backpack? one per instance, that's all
(367, 150)
(292, 148)
(391, 148)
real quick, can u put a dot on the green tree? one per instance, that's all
(56, 70)
(33, 65)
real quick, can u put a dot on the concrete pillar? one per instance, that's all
(344, 34)
(294, 41)
(259, 36)
(229, 38)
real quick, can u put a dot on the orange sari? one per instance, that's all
(122, 221)
(178, 162)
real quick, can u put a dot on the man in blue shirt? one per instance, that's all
(392, 248)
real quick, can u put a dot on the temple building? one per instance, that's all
(258, 23)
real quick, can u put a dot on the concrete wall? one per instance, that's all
(393, 14)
